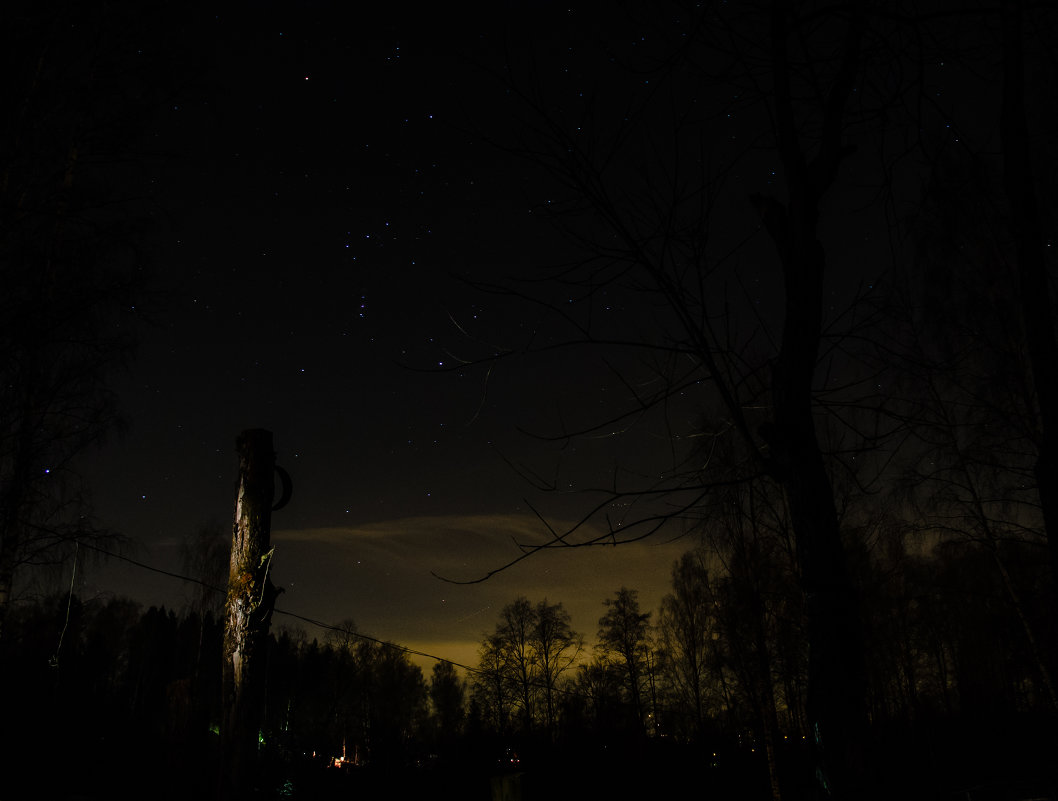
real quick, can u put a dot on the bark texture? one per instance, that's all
(247, 613)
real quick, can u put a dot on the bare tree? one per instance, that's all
(645, 197)
(623, 638)
(205, 554)
(509, 664)
(70, 271)
(522, 661)
(515, 633)
(490, 690)
(556, 646)
(686, 627)
(447, 698)
(796, 107)
(976, 468)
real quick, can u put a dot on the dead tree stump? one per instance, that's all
(247, 613)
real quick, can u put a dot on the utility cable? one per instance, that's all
(54, 661)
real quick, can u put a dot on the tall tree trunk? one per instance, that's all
(1037, 313)
(247, 613)
(836, 683)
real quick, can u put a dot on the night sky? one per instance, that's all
(504, 278)
(332, 191)
(326, 186)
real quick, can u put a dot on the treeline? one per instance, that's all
(710, 682)
(120, 696)
(959, 666)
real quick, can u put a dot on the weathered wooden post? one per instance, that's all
(251, 598)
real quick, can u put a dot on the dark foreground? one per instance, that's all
(947, 761)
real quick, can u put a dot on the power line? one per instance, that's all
(330, 627)
(313, 621)
(145, 566)
(369, 638)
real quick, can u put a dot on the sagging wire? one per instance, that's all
(54, 661)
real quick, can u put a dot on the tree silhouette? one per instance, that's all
(448, 706)
(513, 638)
(623, 638)
(522, 662)
(645, 187)
(556, 646)
(686, 627)
(71, 275)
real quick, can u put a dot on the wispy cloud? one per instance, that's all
(459, 547)
(382, 574)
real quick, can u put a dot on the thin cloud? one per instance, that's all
(381, 575)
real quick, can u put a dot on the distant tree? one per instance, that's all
(285, 651)
(600, 682)
(351, 696)
(623, 638)
(490, 689)
(759, 610)
(205, 554)
(312, 718)
(393, 697)
(522, 662)
(687, 628)
(556, 646)
(447, 702)
(347, 698)
(342, 637)
(518, 661)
